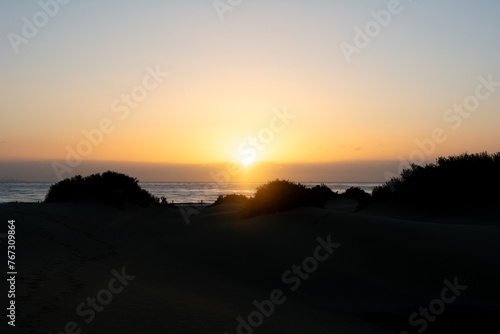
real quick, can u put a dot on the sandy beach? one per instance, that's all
(149, 270)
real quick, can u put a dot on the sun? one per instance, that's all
(247, 161)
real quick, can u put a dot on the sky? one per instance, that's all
(245, 89)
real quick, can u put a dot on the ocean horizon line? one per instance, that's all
(180, 192)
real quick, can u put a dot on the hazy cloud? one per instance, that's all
(355, 171)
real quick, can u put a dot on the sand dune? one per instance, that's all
(200, 277)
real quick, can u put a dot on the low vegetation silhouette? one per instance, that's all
(466, 180)
(281, 195)
(109, 187)
(231, 198)
(358, 194)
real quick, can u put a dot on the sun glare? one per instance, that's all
(247, 162)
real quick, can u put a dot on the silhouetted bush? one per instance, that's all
(281, 195)
(321, 193)
(109, 187)
(359, 195)
(467, 180)
(231, 198)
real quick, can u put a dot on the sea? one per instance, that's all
(176, 192)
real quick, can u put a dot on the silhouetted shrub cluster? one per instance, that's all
(109, 187)
(281, 195)
(231, 198)
(358, 194)
(467, 180)
(320, 194)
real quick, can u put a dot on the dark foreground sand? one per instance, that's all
(200, 277)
